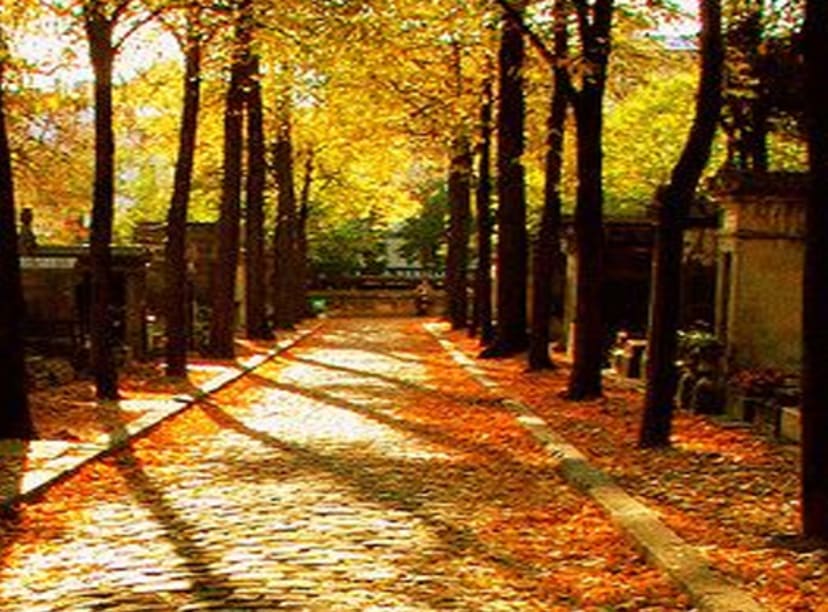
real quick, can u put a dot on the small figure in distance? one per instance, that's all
(27, 241)
(422, 299)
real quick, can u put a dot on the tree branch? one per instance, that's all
(533, 37)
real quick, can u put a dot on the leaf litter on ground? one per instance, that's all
(731, 491)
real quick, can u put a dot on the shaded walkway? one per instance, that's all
(361, 470)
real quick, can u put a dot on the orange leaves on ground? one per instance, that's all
(71, 412)
(547, 537)
(724, 488)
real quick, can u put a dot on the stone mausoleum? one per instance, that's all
(760, 260)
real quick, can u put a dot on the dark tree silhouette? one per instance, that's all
(177, 286)
(672, 205)
(99, 31)
(223, 319)
(512, 243)
(284, 240)
(302, 239)
(547, 263)
(815, 294)
(746, 106)
(459, 195)
(594, 25)
(482, 309)
(15, 420)
(459, 203)
(255, 263)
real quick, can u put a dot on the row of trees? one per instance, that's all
(583, 90)
(463, 119)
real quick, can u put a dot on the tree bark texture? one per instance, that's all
(177, 282)
(102, 54)
(547, 268)
(302, 239)
(255, 263)
(223, 317)
(585, 377)
(15, 419)
(747, 123)
(587, 355)
(512, 244)
(482, 311)
(672, 205)
(459, 196)
(284, 240)
(814, 490)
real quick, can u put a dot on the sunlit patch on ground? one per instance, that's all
(361, 471)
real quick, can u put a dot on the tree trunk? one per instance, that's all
(672, 205)
(482, 314)
(459, 194)
(512, 247)
(547, 260)
(15, 420)
(587, 354)
(255, 268)
(102, 55)
(585, 377)
(177, 294)
(814, 492)
(223, 318)
(302, 238)
(284, 269)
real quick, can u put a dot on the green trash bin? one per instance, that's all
(318, 305)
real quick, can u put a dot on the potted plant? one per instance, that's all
(755, 389)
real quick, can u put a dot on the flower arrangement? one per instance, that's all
(760, 382)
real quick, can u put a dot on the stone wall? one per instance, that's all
(761, 250)
(375, 303)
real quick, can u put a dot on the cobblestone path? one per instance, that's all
(362, 470)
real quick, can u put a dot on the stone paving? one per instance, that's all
(325, 479)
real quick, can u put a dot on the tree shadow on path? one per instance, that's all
(208, 586)
(401, 485)
(402, 383)
(420, 430)
(13, 459)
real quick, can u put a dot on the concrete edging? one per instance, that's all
(685, 565)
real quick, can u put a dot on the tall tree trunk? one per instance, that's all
(15, 420)
(814, 492)
(102, 54)
(672, 204)
(459, 197)
(223, 319)
(587, 354)
(746, 80)
(284, 269)
(302, 238)
(255, 268)
(547, 257)
(177, 293)
(482, 314)
(512, 243)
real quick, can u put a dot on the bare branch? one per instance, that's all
(135, 26)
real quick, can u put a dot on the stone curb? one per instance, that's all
(66, 458)
(685, 565)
